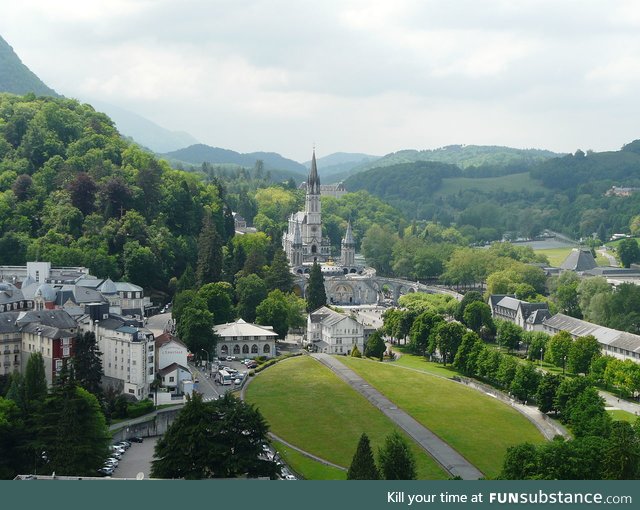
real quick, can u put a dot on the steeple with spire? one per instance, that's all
(348, 247)
(313, 181)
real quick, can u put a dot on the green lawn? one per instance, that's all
(480, 427)
(312, 469)
(309, 406)
(513, 182)
(620, 415)
(556, 256)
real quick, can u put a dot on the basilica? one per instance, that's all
(304, 243)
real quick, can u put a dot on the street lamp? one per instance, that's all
(207, 353)
(541, 350)
(564, 361)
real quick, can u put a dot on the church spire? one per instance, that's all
(348, 236)
(313, 181)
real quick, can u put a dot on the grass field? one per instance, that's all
(514, 182)
(480, 427)
(312, 469)
(310, 407)
(620, 415)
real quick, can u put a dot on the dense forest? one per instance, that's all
(489, 201)
(74, 192)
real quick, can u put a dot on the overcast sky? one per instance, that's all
(348, 75)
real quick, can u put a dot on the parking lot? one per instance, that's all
(136, 459)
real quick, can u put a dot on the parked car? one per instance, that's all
(237, 381)
(289, 477)
(252, 364)
(116, 455)
(105, 471)
(230, 358)
(136, 439)
(124, 444)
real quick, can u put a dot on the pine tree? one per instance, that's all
(72, 412)
(278, 275)
(316, 294)
(209, 264)
(396, 460)
(35, 380)
(87, 363)
(375, 346)
(187, 281)
(217, 439)
(363, 465)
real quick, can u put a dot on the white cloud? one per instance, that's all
(359, 75)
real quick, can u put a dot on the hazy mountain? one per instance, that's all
(200, 153)
(17, 78)
(336, 166)
(144, 131)
(465, 156)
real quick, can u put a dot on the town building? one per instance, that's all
(333, 333)
(128, 352)
(529, 316)
(619, 344)
(244, 339)
(49, 332)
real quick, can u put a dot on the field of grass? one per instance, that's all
(620, 415)
(312, 469)
(480, 427)
(310, 407)
(514, 182)
(555, 255)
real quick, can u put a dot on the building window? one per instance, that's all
(65, 352)
(245, 349)
(254, 349)
(236, 349)
(151, 371)
(133, 392)
(133, 362)
(172, 379)
(266, 349)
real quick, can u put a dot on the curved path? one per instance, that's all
(445, 455)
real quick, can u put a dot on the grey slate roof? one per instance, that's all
(580, 259)
(54, 318)
(8, 322)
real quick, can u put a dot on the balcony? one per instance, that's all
(16, 351)
(7, 363)
(7, 351)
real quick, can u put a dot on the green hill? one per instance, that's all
(200, 153)
(17, 78)
(467, 156)
(74, 192)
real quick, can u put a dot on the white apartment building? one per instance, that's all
(128, 354)
(333, 333)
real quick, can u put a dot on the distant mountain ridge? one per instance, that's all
(143, 131)
(17, 78)
(201, 153)
(465, 156)
(336, 166)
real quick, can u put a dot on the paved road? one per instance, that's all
(449, 458)
(136, 459)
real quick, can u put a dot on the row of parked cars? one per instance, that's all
(117, 450)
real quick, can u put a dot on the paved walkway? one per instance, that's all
(444, 454)
(611, 401)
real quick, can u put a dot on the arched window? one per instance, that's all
(254, 349)
(267, 349)
(236, 349)
(224, 350)
(314, 248)
(245, 349)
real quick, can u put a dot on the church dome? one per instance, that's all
(46, 292)
(108, 287)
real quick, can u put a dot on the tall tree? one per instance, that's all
(622, 453)
(448, 336)
(628, 252)
(525, 382)
(396, 460)
(218, 439)
(87, 363)
(278, 275)
(363, 465)
(476, 315)
(582, 352)
(209, 265)
(35, 380)
(195, 329)
(73, 412)
(218, 297)
(316, 294)
(250, 291)
(375, 346)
